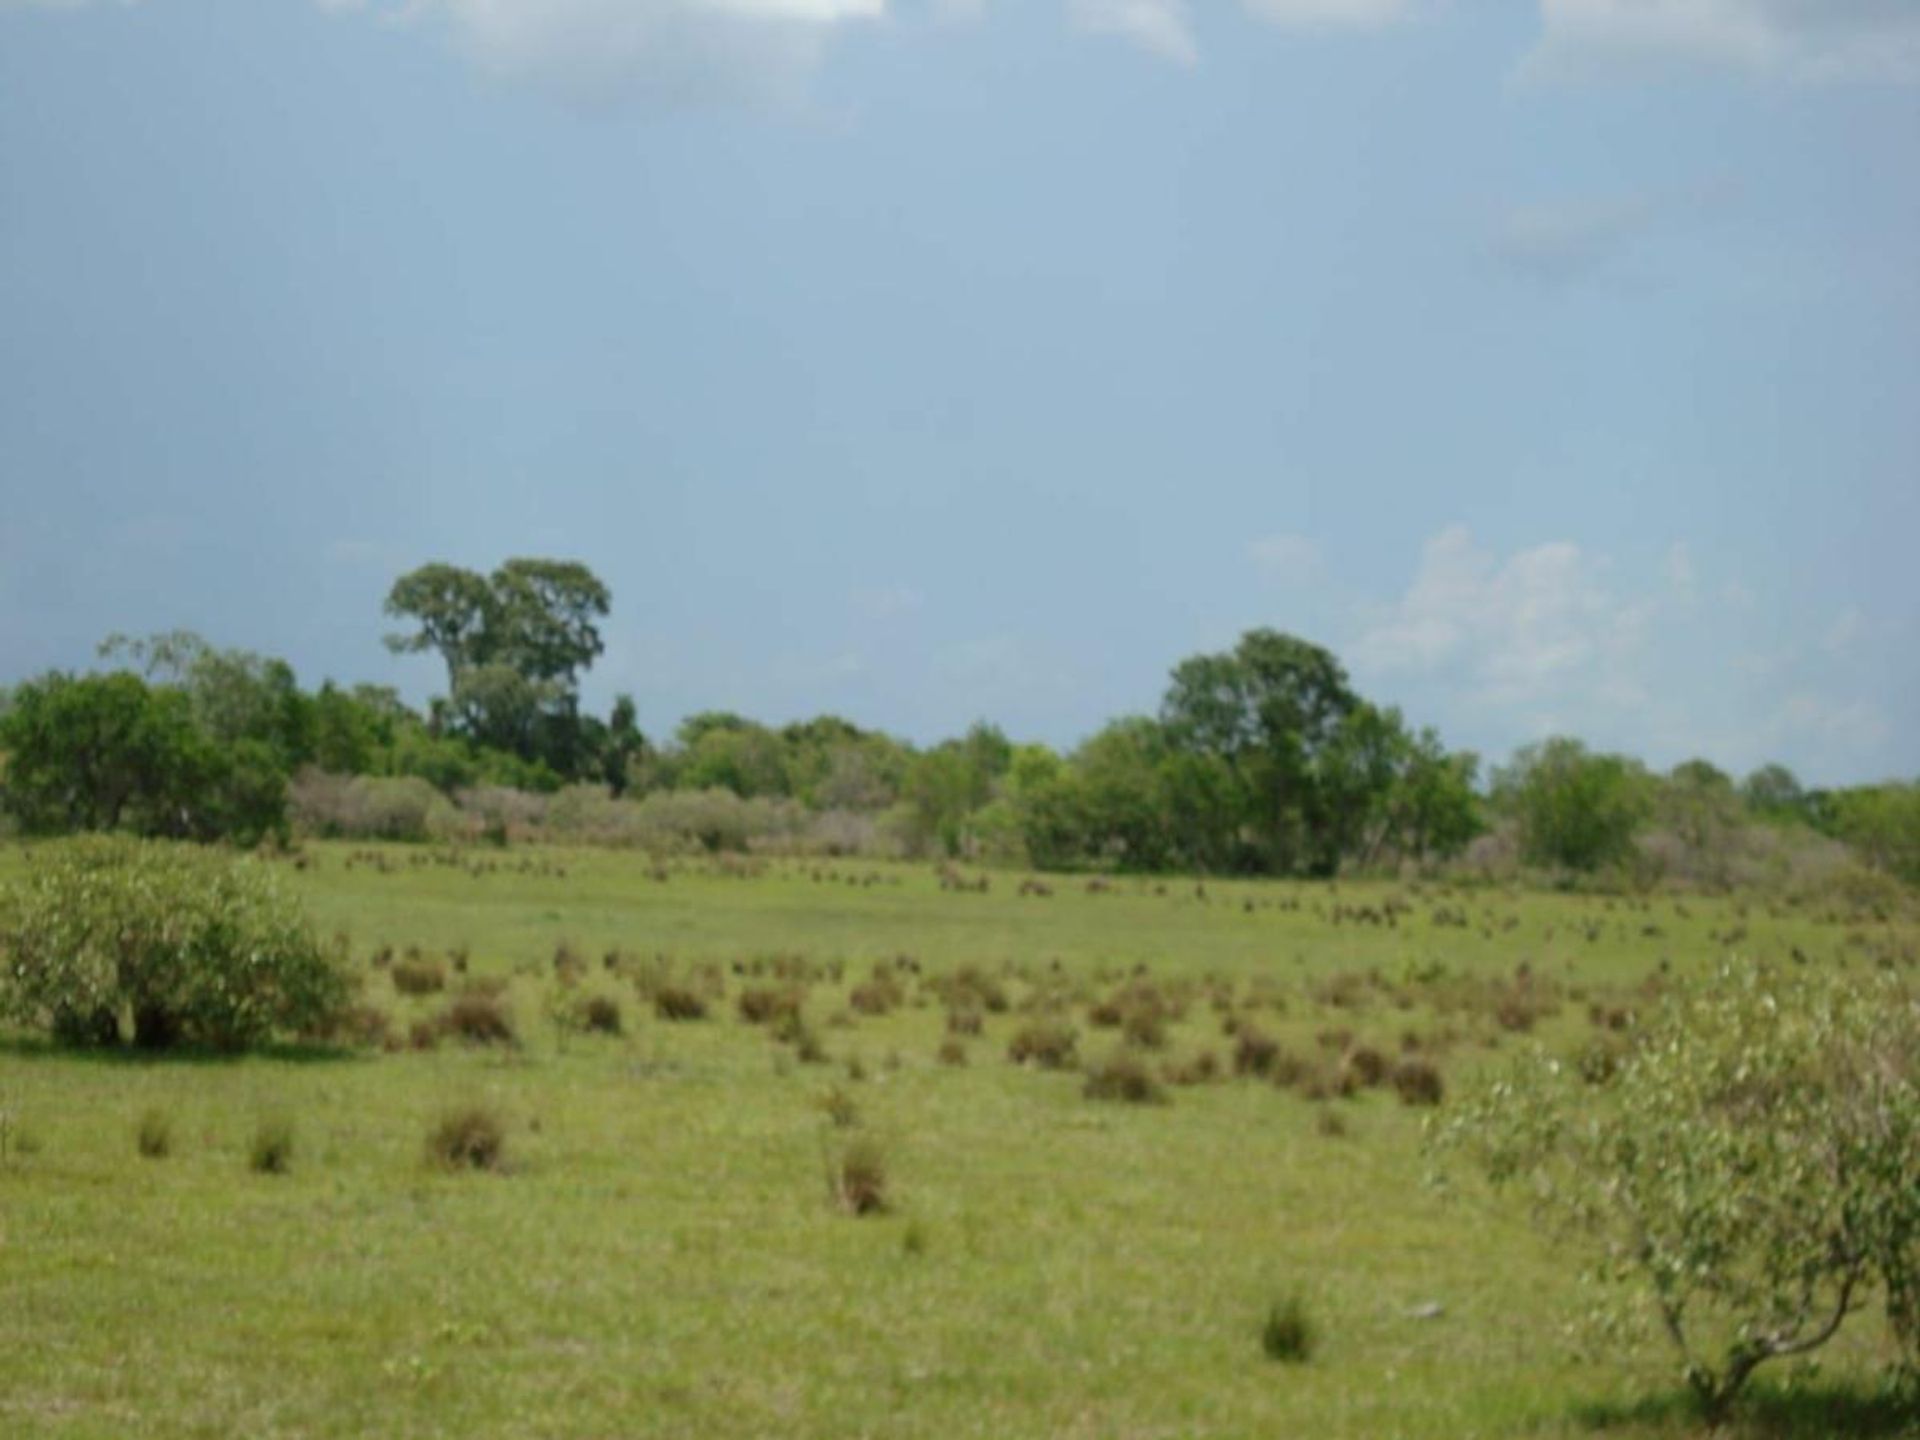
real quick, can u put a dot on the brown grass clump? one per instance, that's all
(1418, 1081)
(1201, 1069)
(1367, 1065)
(858, 1178)
(423, 1035)
(965, 1022)
(877, 996)
(1329, 1122)
(1122, 1077)
(478, 1020)
(469, 1137)
(1145, 1028)
(1046, 1043)
(600, 1014)
(678, 1002)
(153, 1136)
(417, 974)
(768, 1004)
(1254, 1051)
(952, 1052)
(271, 1150)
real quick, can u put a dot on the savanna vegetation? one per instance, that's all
(1256, 1067)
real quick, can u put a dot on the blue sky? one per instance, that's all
(1554, 362)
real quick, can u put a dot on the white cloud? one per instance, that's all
(1855, 729)
(1801, 40)
(1680, 573)
(673, 51)
(1291, 557)
(1569, 239)
(1844, 633)
(1329, 14)
(1536, 628)
(1161, 27)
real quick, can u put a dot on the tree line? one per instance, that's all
(1262, 759)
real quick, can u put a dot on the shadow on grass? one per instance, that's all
(36, 1047)
(1822, 1411)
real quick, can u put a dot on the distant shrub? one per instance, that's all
(1329, 1122)
(1144, 1027)
(1367, 1066)
(1048, 1044)
(153, 1136)
(840, 1108)
(952, 1052)
(1125, 1078)
(1289, 1335)
(469, 1137)
(1201, 1069)
(877, 996)
(965, 1022)
(365, 807)
(478, 1019)
(417, 974)
(271, 1150)
(858, 1178)
(193, 946)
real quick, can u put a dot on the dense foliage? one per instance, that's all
(1751, 1162)
(1262, 759)
(110, 939)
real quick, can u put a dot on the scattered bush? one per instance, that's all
(1254, 1051)
(194, 947)
(469, 1137)
(1289, 1335)
(1329, 1122)
(952, 1052)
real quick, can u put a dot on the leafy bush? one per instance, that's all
(1753, 1160)
(169, 943)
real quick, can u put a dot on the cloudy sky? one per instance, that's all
(1555, 362)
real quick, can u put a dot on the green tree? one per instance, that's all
(1882, 824)
(1272, 712)
(514, 644)
(1774, 792)
(1576, 810)
(105, 752)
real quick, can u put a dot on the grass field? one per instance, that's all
(663, 1254)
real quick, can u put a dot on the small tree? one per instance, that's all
(1576, 810)
(109, 938)
(1753, 1163)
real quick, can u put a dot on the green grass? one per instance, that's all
(660, 1256)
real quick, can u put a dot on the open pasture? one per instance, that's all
(669, 1240)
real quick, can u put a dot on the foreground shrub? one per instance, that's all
(1753, 1162)
(108, 938)
(471, 1137)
